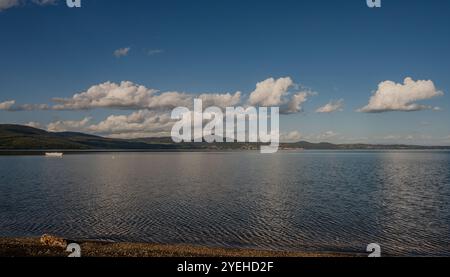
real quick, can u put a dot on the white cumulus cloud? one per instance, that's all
(294, 136)
(125, 95)
(327, 135)
(331, 107)
(130, 96)
(68, 125)
(33, 124)
(391, 96)
(220, 100)
(44, 2)
(7, 105)
(6, 4)
(296, 102)
(270, 92)
(275, 93)
(122, 52)
(141, 123)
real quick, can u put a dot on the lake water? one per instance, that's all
(311, 200)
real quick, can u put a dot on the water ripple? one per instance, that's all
(324, 200)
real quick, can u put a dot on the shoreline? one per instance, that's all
(6, 153)
(33, 247)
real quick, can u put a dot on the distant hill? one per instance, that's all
(18, 137)
(329, 146)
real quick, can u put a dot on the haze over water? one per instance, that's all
(311, 200)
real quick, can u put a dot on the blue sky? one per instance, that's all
(331, 49)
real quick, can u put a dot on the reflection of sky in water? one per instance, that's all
(314, 200)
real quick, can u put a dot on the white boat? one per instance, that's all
(54, 155)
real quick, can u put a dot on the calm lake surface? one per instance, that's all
(312, 200)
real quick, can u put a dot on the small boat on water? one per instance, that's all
(54, 155)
